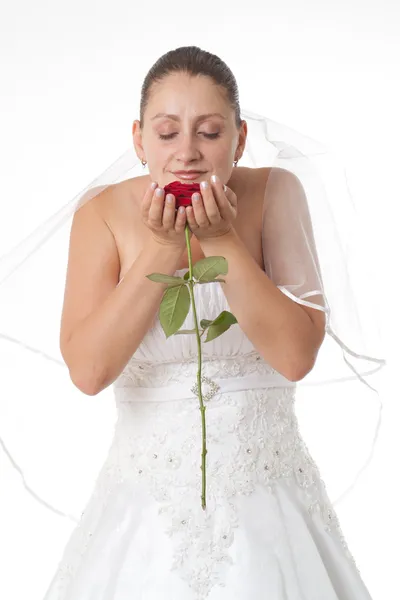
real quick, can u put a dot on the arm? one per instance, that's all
(288, 335)
(103, 323)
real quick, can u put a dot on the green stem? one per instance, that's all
(202, 407)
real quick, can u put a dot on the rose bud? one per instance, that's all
(182, 192)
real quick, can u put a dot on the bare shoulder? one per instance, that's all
(119, 207)
(96, 250)
(249, 184)
(119, 200)
(274, 184)
(284, 184)
(260, 176)
(244, 177)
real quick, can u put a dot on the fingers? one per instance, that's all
(216, 205)
(173, 219)
(180, 222)
(168, 217)
(204, 212)
(212, 209)
(147, 200)
(208, 210)
(225, 199)
(156, 210)
(159, 211)
(191, 218)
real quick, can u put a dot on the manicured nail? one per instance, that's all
(225, 188)
(204, 185)
(153, 185)
(169, 198)
(214, 178)
(159, 192)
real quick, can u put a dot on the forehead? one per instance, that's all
(183, 94)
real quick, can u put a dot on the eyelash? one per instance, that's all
(211, 136)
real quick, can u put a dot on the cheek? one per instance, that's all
(155, 150)
(223, 157)
(225, 149)
(158, 164)
(160, 174)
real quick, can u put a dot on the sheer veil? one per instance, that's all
(54, 439)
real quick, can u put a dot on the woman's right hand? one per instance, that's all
(158, 214)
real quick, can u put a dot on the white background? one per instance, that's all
(70, 86)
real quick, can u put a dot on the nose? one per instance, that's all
(188, 150)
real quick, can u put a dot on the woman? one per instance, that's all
(135, 231)
(268, 529)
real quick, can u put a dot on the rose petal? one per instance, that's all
(182, 192)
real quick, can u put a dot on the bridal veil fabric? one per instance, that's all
(54, 439)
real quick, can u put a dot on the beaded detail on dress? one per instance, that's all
(253, 442)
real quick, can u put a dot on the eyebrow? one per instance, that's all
(176, 118)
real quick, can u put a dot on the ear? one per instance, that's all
(242, 140)
(137, 139)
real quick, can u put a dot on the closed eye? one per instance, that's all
(169, 136)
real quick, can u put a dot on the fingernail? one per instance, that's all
(159, 192)
(214, 178)
(196, 197)
(225, 188)
(169, 198)
(204, 185)
(153, 185)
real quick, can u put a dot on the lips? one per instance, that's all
(188, 175)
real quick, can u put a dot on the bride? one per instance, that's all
(268, 529)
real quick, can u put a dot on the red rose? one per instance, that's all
(182, 192)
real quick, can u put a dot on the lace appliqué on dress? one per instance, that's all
(148, 374)
(252, 439)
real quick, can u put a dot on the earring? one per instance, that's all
(235, 162)
(144, 163)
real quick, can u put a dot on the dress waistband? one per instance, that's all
(210, 388)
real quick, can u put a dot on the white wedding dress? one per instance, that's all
(269, 531)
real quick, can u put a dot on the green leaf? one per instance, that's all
(208, 268)
(212, 281)
(186, 276)
(171, 280)
(205, 323)
(174, 308)
(184, 331)
(220, 325)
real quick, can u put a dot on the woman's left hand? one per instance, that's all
(213, 212)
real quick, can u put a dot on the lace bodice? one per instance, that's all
(210, 301)
(253, 440)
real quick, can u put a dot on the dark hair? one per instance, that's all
(194, 61)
